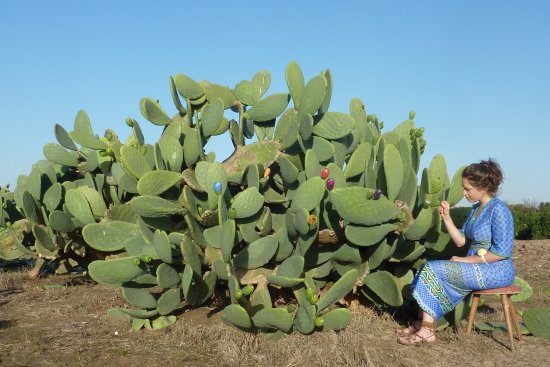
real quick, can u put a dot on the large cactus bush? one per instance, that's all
(312, 204)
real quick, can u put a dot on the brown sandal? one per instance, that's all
(414, 339)
(411, 329)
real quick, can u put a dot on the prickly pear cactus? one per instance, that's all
(312, 203)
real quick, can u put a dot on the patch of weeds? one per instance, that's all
(122, 352)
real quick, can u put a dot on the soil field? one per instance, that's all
(61, 321)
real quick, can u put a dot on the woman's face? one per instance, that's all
(471, 193)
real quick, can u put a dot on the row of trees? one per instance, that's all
(532, 222)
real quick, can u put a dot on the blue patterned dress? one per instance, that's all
(440, 285)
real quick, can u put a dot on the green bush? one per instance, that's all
(531, 223)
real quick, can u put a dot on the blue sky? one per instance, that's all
(477, 73)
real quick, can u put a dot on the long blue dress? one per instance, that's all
(440, 285)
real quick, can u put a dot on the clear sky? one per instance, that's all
(477, 73)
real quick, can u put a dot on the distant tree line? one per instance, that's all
(531, 222)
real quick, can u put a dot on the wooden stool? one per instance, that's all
(508, 306)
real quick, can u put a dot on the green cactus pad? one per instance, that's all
(167, 277)
(439, 179)
(227, 239)
(213, 236)
(45, 245)
(211, 117)
(410, 253)
(313, 95)
(322, 148)
(61, 221)
(168, 301)
(268, 108)
(191, 180)
(454, 194)
(273, 318)
(289, 172)
(358, 161)
(171, 153)
(247, 202)
(299, 217)
(87, 140)
(63, 138)
(175, 97)
(139, 297)
(52, 197)
(262, 81)
(207, 175)
(312, 166)
(352, 204)
(237, 316)
(337, 319)
(384, 285)
(257, 254)
(309, 194)
(393, 171)
(409, 188)
(295, 82)
(333, 125)
(154, 206)
(109, 236)
(95, 200)
(342, 287)
(163, 321)
(367, 236)
(537, 321)
(190, 255)
(162, 246)
(292, 267)
(217, 91)
(195, 289)
(126, 313)
(114, 272)
(247, 92)
(152, 111)
(187, 87)
(526, 290)
(157, 182)
(191, 147)
(381, 252)
(78, 206)
(421, 225)
(285, 282)
(305, 316)
(57, 154)
(134, 162)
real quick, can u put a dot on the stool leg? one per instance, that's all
(473, 313)
(505, 306)
(514, 318)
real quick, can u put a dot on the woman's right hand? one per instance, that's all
(445, 210)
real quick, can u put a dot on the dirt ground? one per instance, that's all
(61, 321)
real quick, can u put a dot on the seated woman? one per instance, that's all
(440, 285)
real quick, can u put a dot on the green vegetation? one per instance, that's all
(320, 205)
(531, 223)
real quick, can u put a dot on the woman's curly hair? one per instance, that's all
(484, 175)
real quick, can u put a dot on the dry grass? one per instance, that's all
(12, 280)
(61, 321)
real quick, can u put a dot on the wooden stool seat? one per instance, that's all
(507, 305)
(511, 289)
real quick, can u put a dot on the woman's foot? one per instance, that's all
(413, 328)
(426, 334)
